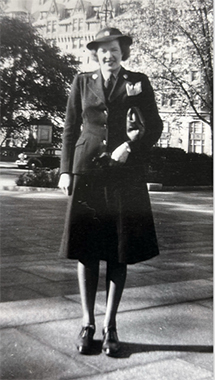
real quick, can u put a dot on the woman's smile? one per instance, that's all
(109, 62)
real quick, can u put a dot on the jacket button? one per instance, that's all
(105, 112)
(104, 142)
(105, 125)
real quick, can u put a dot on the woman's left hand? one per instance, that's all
(65, 183)
(120, 154)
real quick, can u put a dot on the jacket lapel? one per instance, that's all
(96, 86)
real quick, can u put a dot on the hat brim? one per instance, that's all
(94, 44)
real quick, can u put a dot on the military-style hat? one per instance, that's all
(108, 34)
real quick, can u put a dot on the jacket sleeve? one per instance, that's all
(152, 121)
(73, 122)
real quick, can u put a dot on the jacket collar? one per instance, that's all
(96, 85)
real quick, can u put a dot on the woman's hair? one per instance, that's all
(125, 49)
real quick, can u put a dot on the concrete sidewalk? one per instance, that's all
(165, 317)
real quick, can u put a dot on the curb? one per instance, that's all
(187, 188)
(150, 186)
(154, 186)
(29, 188)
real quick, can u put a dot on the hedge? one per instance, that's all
(175, 167)
(39, 177)
(169, 166)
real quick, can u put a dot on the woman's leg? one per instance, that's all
(115, 282)
(88, 275)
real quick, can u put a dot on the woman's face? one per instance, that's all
(109, 55)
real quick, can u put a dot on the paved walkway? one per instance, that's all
(165, 317)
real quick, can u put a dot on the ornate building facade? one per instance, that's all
(71, 24)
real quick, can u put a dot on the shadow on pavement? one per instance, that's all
(128, 349)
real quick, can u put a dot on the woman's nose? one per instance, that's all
(108, 54)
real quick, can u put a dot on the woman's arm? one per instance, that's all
(73, 122)
(70, 135)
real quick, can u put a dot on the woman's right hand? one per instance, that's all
(65, 183)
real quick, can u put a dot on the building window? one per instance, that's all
(165, 127)
(163, 142)
(194, 75)
(48, 27)
(197, 137)
(172, 100)
(197, 127)
(80, 27)
(54, 26)
(165, 100)
(168, 99)
(75, 24)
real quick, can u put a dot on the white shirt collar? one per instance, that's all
(106, 75)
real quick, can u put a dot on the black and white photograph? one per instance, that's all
(106, 186)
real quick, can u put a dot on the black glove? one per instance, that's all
(103, 160)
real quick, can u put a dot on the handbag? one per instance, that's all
(135, 125)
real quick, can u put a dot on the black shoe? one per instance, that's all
(111, 343)
(85, 339)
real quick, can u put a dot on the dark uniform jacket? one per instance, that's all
(95, 125)
(109, 213)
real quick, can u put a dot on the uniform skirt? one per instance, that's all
(109, 217)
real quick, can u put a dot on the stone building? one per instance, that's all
(71, 24)
(68, 24)
(17, 9)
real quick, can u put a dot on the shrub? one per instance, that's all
(40, 178)
(169, 166)
(175, 167)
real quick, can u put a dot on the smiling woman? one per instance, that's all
(111, 123)
(109, 56)
(124, 47)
